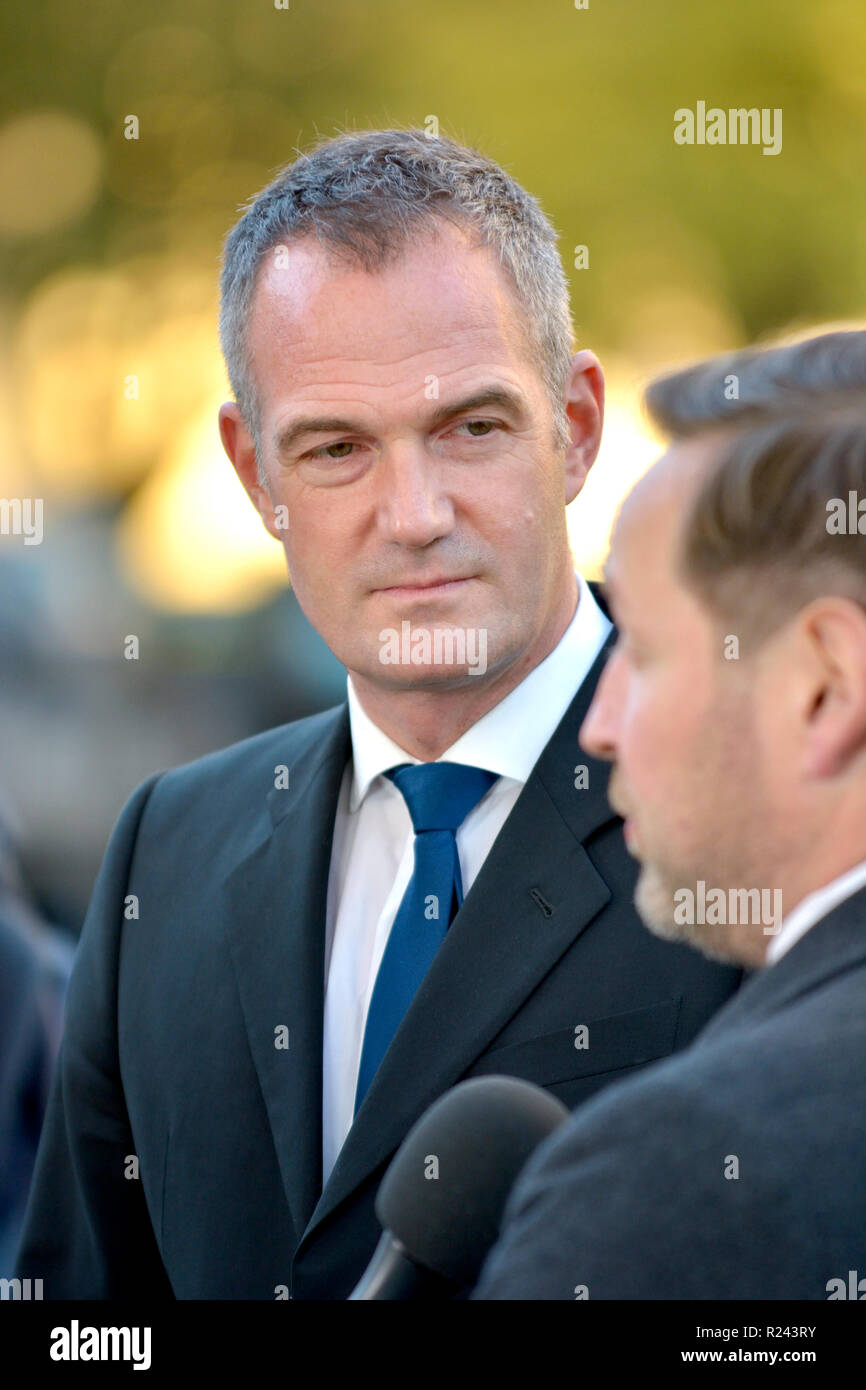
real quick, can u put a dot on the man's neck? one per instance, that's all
(833, 857)
(426, 722)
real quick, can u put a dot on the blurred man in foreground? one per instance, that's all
(734, 710)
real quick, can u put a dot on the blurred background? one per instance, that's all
(110, 372)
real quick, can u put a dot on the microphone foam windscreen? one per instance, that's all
(445, 1191)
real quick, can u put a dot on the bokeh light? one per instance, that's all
(50, 171)
(190, 539)
(110, 364)
(629, 447)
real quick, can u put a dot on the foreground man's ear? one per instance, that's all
(835, 630)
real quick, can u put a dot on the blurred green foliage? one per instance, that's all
(578, 104)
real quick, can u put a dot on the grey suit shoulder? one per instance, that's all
(734, 1170)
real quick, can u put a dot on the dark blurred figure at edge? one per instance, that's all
(35, 961)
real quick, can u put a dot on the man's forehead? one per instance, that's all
(651, 501)
(444, 307)
(648, 526)
(436, 261)
(670, 486)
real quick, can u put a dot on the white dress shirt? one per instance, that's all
(373, 847)
(812, 908)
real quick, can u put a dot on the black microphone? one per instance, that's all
(441, 1201)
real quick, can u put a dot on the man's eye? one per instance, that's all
(340, 444)
(486, 425)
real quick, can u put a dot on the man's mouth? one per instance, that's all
(617, 807)
(428, 588)
(628, 825)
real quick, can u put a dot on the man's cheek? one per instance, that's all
(646, 768)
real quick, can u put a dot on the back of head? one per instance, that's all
(777, 520)
(754, 385)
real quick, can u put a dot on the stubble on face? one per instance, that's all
(693, 778)
(719, 814)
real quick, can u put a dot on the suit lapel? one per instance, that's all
(536, 892)
(276, 900)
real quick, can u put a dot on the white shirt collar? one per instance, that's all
(812, 908)
(509, 738)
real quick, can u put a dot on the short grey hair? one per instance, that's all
(363, 195)
(757, 543)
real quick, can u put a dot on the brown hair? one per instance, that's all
(771, 527)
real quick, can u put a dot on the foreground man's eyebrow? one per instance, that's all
(503, 397)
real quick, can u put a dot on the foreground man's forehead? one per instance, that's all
(681, 470)
(655, 497)
(645, 538)
(667, 490)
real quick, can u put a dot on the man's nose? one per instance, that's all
(599, 732)
(413, 507)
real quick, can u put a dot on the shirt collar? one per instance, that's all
(812, 908)
(509, 738)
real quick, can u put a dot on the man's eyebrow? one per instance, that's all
(504, 397)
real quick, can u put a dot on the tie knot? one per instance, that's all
(440, 795)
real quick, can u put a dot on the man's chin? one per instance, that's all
(656, 905)
(429, 678)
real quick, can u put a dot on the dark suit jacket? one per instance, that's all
(170, 1054)
(34, 971)
(636, 1196)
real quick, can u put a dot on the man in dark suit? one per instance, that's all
(734, 709)
(296, 944)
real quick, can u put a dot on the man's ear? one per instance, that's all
(584, 405)
(835, 630)
(240, 447)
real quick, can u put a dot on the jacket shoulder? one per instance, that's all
(247, 759)
(709, 1174)
(219, 800)
(793, 1063)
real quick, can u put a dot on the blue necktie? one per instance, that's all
(440, 797)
